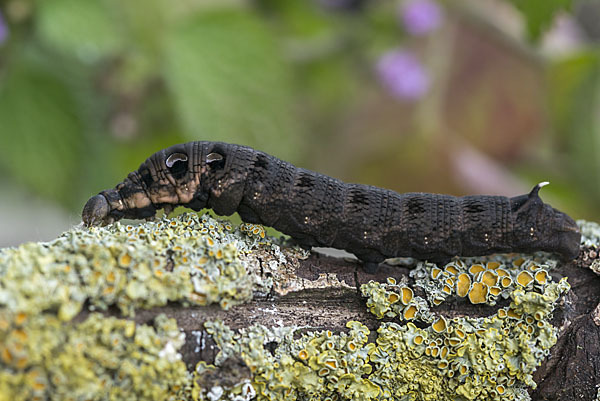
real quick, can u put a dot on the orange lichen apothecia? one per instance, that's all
(463, 355)
(480, 282)
(490, 358)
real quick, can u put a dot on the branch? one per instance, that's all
(100, 313)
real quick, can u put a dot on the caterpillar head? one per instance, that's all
(185, 174)
(540, 226)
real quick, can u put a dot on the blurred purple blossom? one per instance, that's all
(420, 16)
(403, 74)
(3, 29)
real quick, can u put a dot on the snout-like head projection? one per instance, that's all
(170, 177)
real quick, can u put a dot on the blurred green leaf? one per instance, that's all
(230, 83)
(85, 29)
(540, 13)
(575, 100)
(568, 78)
(40, 134)
(300, 19)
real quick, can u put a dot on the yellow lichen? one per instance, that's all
(451, 269)
(129, 267)
(489, 278)
(524, 278)
(487, 358)
(495, 291)
(410, 312)
(393, 298)
(439, 326)
(506, 282)
(437, 358)
(513, 314)
(475, 269)
(99, 358)
(518, 262)
(478, 293)
(541, 276)
(323, 371)
(463, 285)
(407, 295)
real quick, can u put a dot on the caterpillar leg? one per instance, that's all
(304, 241)
(370, 267)
(371, 260)
(440, 262)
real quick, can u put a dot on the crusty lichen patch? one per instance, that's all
(464, 358)
(318, 365)
(590, 233)
(590, 238)
(42, 357)
(482, 281)
(461, 358)
(490, 357)
(191, 259)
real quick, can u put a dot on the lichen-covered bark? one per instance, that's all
(268, 321)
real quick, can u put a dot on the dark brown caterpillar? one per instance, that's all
(317, 210)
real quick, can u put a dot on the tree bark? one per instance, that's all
(44, 286)
(571, 372)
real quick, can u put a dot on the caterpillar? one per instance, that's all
(317, 210)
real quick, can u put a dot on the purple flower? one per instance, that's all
(403, 75)
(420, 16)
(3, 30)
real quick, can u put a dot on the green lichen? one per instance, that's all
(590, 233)
(189, 259)
(46, 354)
(385, 301)
(465, 358)
(105, 358)
(486, 358)
(489, 280)
(316, 366)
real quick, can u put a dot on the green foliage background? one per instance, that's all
(88, 89)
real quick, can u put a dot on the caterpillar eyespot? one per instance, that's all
(177, 166)
(215, 160)
(174, 158)
(212, 157)
(317, 210)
